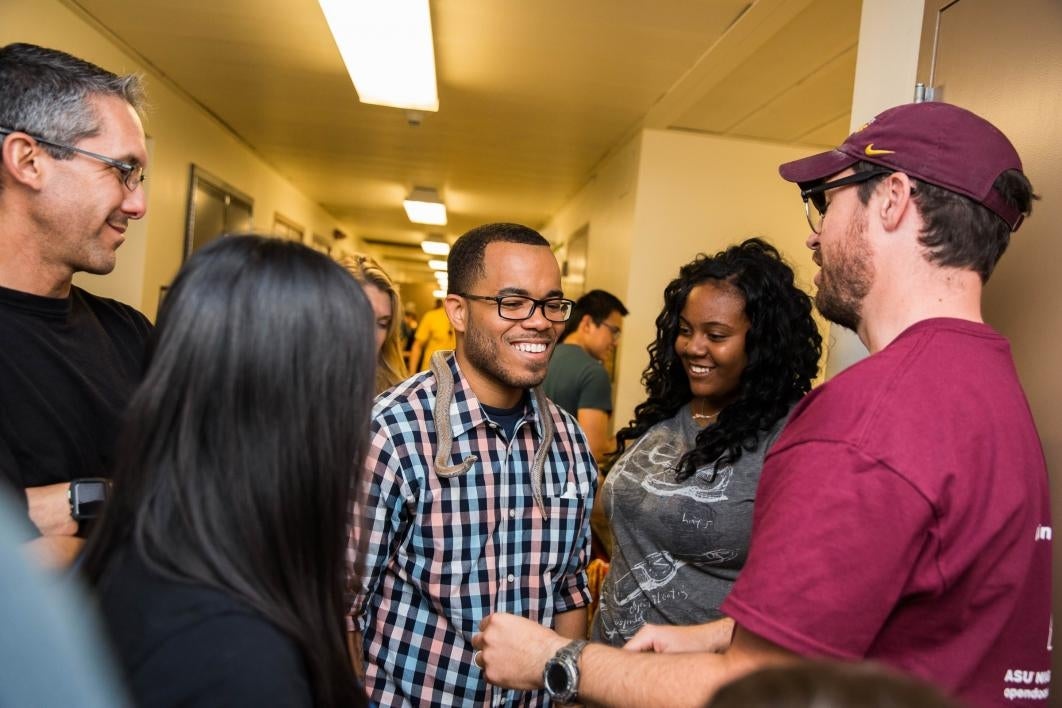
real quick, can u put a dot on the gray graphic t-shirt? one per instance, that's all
(678, 545)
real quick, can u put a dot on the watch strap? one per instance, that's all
(573, 650)
(568, 658)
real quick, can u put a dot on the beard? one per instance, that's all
(845, 278)
(482, 353)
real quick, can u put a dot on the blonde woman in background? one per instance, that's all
(382, 294)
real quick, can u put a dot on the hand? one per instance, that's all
(514, 650)
(49, 509)
(55, 552)
(713, 637)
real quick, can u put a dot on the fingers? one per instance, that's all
(640, 644)
(641, 641)
(479, 643)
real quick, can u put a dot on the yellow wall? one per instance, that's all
(606, 205)
(889, 34)
(180, 133)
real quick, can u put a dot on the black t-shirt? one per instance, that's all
(182, 644)
(68, 367)
(506, 418)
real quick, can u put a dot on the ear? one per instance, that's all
(21, 160)
(585, 324)
(457, 311)
(895, 194)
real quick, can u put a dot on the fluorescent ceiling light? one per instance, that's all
(441, 292)
(437, 264)
(423, 206)
(387, 48)
(442, 277)
(435, 246)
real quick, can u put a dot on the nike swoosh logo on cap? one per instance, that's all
(870, 151)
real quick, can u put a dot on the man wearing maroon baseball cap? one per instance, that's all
(903, 514)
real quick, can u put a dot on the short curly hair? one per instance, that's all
(783, 347)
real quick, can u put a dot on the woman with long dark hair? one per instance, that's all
(219, 562)
(736, 347)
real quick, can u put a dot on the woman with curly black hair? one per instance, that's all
(736, 347)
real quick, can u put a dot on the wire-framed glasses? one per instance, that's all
(816, 196)
(518, 307)
(132, 173)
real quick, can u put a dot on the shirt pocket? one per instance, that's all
(558, 533)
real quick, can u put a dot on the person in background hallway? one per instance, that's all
(409, 329)
(903, 515)
(577, 381)
(72, 158)
(479, 488)
(736, 347)
(434, 333)
(219, 562)
(383, 295)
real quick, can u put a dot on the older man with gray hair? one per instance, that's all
(73, 155)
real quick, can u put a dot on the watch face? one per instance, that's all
(88, 497)
(556, 678)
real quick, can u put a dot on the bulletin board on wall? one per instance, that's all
(214, 208)
(573, 266)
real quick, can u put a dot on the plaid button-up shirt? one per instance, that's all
(438, 554)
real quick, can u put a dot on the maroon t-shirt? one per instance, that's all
(903, 516)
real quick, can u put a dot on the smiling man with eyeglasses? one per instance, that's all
(73, 155)
(480, 488)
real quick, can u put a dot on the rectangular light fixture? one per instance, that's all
(388, 50)
(441, 292)
(423, 206)
(437, 265)
(435, 245)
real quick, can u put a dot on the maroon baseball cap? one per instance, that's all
(935, 142)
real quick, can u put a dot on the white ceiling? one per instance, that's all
(533, 94)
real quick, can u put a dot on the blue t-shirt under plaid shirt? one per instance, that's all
(441, 553)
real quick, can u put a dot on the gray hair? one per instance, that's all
(45, 94)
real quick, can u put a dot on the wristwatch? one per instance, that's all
(561, 675)
(87, 496)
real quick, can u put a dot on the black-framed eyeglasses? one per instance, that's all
(519, 308)
(132, 173)
(816, 195)
(616, 331)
